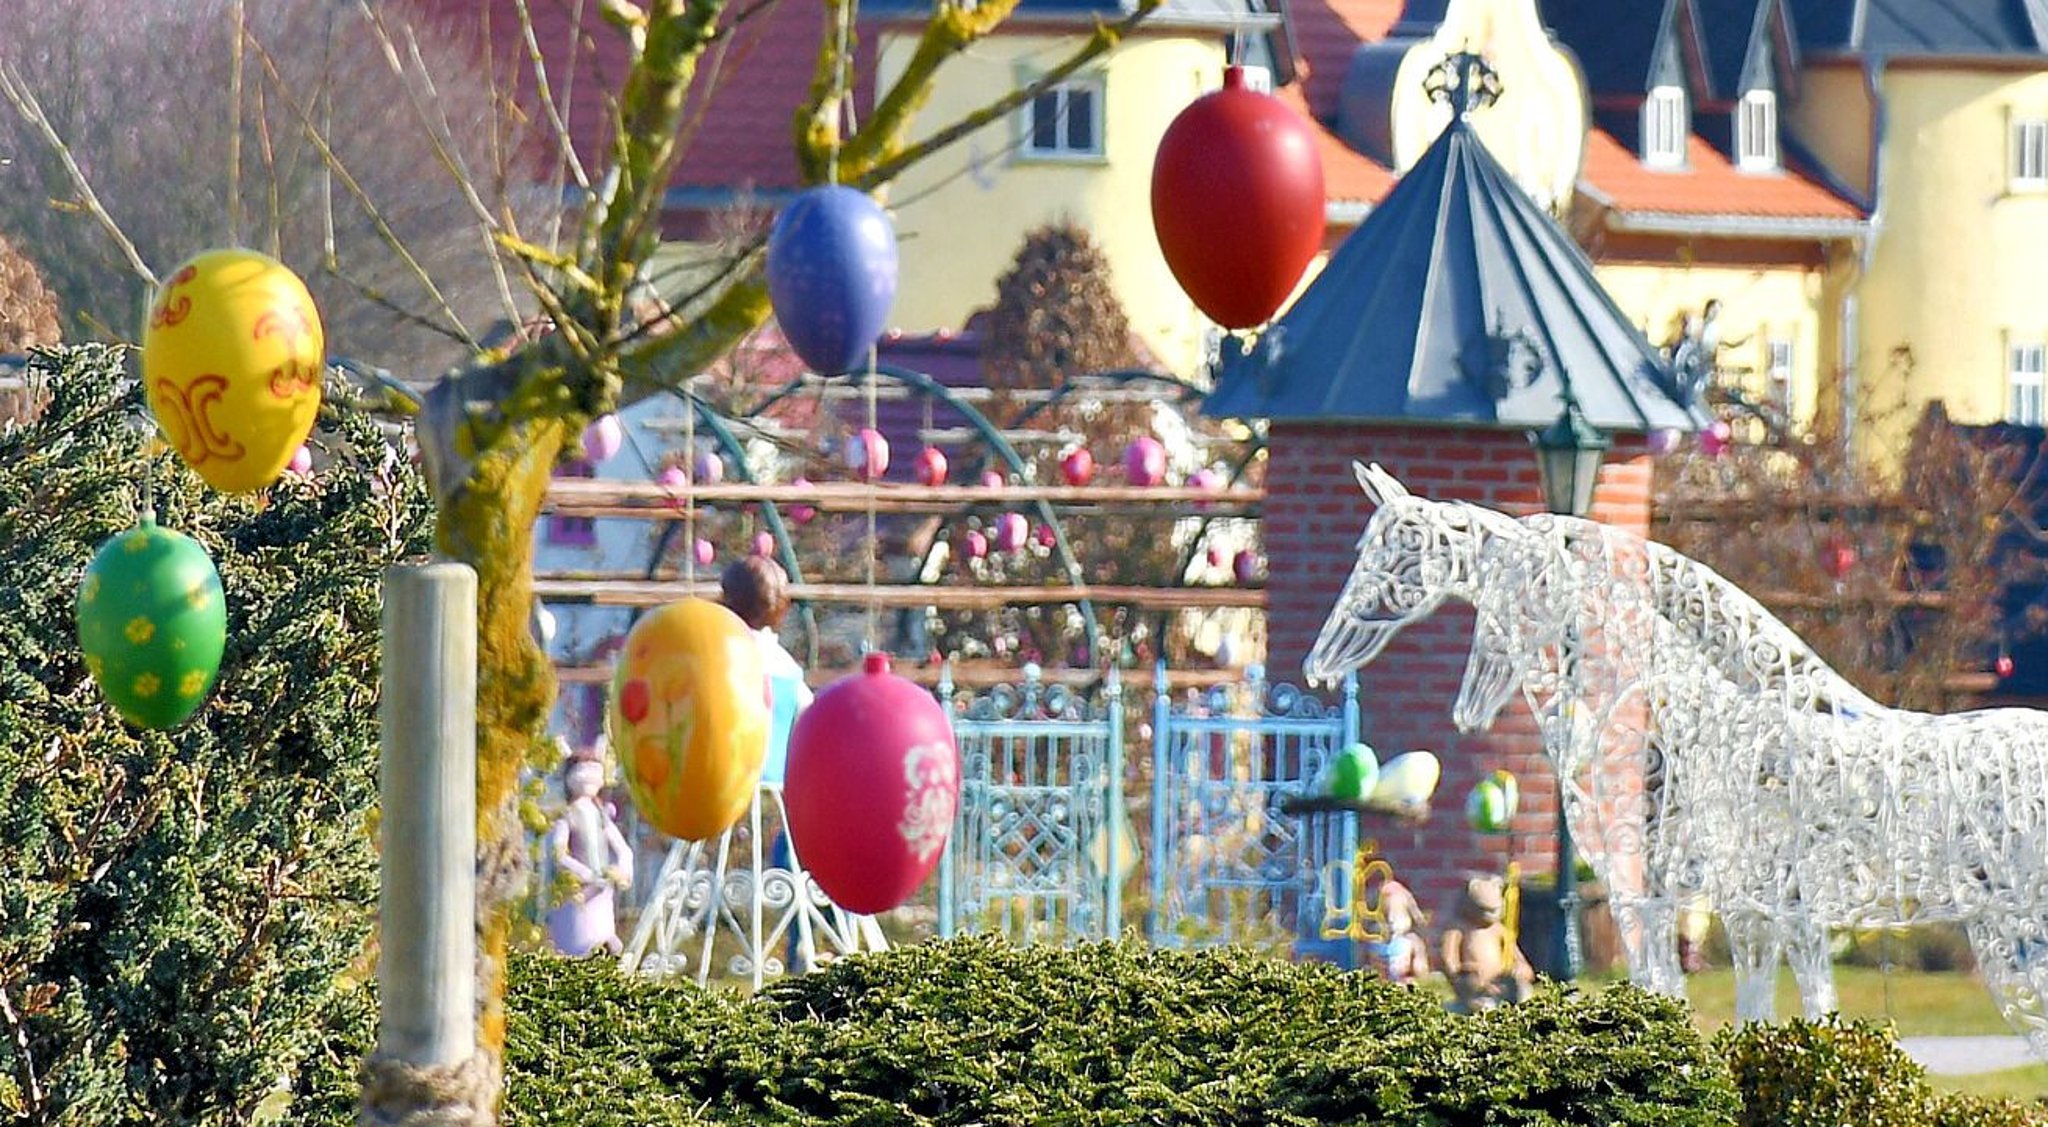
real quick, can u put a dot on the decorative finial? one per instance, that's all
(1464, 81)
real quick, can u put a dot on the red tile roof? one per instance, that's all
(1710, 185)
(1349, 176)
(742, 106)
(1326, 32)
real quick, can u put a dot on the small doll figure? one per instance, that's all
(1403, 955)
(1485, 966)
(593, 861)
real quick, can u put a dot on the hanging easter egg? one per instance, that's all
(832, 276)
(673, 479)
(152, 622)
(708, 467)
(1407, 782)
(1510, 788)
(992, 479)
(1354, 772)
(703, 552)
(973, 545)
(764, 544)
(1664, 440)
(802, 514)
(1490, 807)
(1045, 536)
(1237, 201)
(1077, 468)
(1245, 566)
(1012, 532)
(603, 439)
(1216, 556)
(232, 360)
(930, 466)
(1717, 438)
(872, 785)
(302, 461)
(2003, 666)
(1838, 558)
(1207, 480)
(867, 454)
(1145, 461)
(690, 717)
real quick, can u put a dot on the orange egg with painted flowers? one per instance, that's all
(689, 717)
(231, 363)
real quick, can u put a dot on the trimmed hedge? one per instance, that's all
(1828, 1073)
(972, 1031)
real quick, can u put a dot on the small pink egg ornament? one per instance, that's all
(930, 465)
(1012, 532)
(867, 454)
(1078, 468)
(603, 438)
(1145, 461)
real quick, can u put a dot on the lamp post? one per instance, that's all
(1568, 455)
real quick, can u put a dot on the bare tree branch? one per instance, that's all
(375, 214)
(31, 110)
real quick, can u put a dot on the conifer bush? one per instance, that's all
(180, 912)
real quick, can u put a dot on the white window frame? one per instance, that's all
(1756, 131)
(1062, 147)
(1667, 127)
(1779, 355)
(2027, 150)
(2026, 382)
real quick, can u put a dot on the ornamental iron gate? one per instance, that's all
(1228, 866)
(1040, 843)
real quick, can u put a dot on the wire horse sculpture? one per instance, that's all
(1709, 752)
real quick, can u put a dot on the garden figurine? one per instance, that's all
(593, 861)
(1403, 955)
(1481, 958)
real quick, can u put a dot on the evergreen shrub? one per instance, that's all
(180, 911)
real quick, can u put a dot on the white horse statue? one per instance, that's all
(1709, 751)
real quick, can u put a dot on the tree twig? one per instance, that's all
(369, 206)
(24, 101)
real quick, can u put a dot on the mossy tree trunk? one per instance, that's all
(491, 435)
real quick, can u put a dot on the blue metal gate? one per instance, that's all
(1227, 865)
(1040, 845)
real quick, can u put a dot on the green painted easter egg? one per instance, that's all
(1486, 808)
(152, 621)
(1354, 772)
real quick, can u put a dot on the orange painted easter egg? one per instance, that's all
(689, 715)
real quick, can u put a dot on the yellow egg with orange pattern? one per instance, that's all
(232, 362)
(689, 716)
(152, 621)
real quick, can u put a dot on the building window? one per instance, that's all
(1778, 375)
(1756, 131)
(1065, 121)
(2030, 153)
(1665, 128)
(573, 532)
(2026, 376)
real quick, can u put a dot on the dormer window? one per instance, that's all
(1665, 127)
(1756, 131)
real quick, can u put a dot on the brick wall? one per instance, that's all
(1313, 517)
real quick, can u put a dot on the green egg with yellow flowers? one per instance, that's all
(153, 621)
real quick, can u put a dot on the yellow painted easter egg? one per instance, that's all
(689, 715)
(231, 362)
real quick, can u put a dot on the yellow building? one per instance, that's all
(1080, 152)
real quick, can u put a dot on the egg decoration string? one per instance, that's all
(874, 545)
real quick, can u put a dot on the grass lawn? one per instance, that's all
(1921, 1004)
(2017, 1084)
